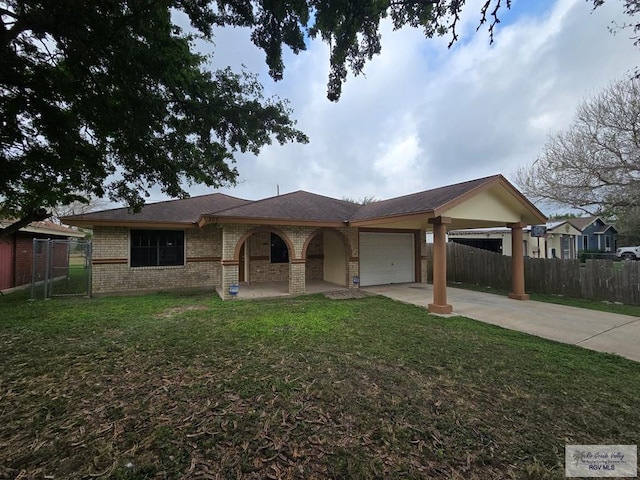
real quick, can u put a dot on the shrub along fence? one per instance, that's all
(594, 279)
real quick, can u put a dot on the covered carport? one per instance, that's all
(481, 203)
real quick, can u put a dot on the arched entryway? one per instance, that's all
(263, 256)
(327, 252)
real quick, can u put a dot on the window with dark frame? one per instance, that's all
(585, 242)
(156, 248)
(279, 250)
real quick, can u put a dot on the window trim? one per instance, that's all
(183, 260)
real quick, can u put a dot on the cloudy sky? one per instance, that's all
(423, 115)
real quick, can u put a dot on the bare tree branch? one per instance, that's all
(594, 165)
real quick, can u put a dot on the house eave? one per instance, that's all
(129, 224)
(208, 219)
(372, 222)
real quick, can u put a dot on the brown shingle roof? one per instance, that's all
(187, 210)
(300, 206)
(420, 202)
(582, 222)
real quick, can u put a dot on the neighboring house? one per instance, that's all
(496, 239)
(17, 257)
(558, 242)
(596, 235)
(219, 241)
(561, 239)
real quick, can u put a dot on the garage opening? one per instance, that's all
(490, 244)
(387, 258)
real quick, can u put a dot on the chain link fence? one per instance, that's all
(60, 268)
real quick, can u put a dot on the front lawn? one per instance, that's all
(170, 386)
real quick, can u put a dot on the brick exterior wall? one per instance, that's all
(261, 270)
(212, 260)
(112, 274)
(315, 258)
(229, 277)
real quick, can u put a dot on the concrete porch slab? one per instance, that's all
(254, 291)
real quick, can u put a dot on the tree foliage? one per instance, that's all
(366, 200)
(108, 98)
(594, 165)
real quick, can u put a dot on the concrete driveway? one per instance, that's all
(601, 331)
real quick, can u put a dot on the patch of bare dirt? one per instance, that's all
(346, 294)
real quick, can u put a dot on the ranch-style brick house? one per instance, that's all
(216, 241)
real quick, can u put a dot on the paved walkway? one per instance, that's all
(605, 332)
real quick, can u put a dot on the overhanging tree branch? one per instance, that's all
(35, 215)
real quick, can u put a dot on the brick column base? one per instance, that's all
(229, 277)
(297, 277)
(353, 270)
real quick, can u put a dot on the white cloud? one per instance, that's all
(398, 159)
(424, 116)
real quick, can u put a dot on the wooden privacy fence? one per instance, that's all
(595, 279)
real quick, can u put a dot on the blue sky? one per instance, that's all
(423, 115)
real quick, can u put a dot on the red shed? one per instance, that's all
(16, 251)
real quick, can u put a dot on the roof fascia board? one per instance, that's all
(420, 216)
(206, 219)
(130, 224)
(50, 231)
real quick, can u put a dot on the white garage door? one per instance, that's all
(386, 258)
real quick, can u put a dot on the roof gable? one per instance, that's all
(582, 222)
(489, 200)
(605, 228)
(563, 228)
(488, 206)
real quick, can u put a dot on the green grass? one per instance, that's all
(187, 386)
(601, 306)
(73, 281)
